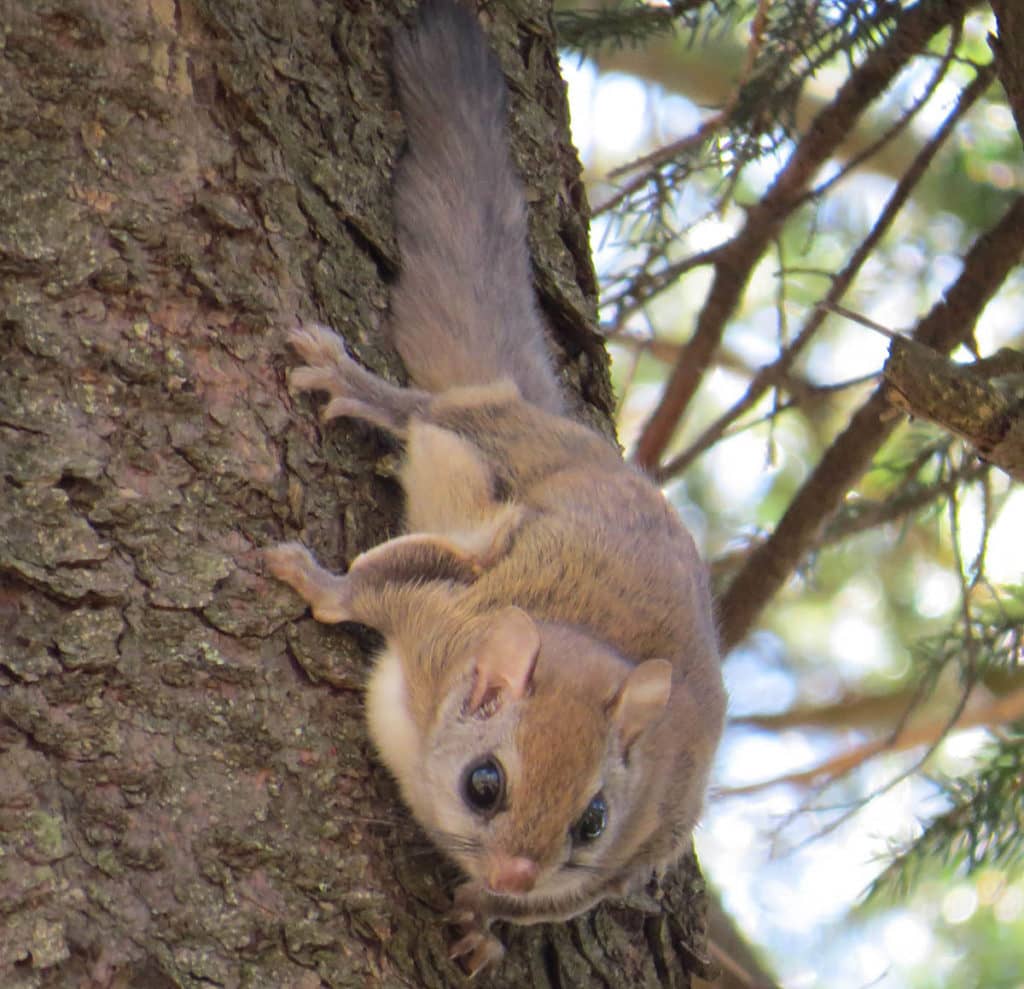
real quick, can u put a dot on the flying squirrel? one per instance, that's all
(548, 697)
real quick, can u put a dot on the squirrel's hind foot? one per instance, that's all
(353, 391)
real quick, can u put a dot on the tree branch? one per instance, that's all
(1000, 711)
(852, 710)
(773, 373)
(706, 76)
(1009, 49)
(863, 515)
(950, 322)
(738, 257)
(962, 400)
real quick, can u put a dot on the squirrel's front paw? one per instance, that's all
(476, 948)
(327, 594)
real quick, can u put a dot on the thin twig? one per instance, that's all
(642, 289)
(999, 711)
(902, 122)
(739, 256)
(956, 716)
(951, 320)
(772, 374)
(655, 159)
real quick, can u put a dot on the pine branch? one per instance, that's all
(983, 826)
(996, 713)
(705, 75)
(585, 31)
(771, 375)
(852, 710)
(737, 258)
(641, 288)
(863, 515)
(649, 164)
(787, 44)
(950, 322)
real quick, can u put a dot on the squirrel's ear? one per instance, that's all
(505, 658)
(641, 697)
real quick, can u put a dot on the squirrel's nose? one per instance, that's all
(512, 875)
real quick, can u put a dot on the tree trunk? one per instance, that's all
(187, 794)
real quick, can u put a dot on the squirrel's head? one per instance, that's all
(534, 777)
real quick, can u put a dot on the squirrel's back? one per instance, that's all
(463, 310)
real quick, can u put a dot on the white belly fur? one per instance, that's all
(387, 715)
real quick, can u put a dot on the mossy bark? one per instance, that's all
(187, 795)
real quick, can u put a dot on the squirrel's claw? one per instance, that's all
(476, 951)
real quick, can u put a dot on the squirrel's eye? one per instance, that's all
(592, 821)
(484, 785)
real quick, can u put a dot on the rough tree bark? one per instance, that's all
(187, 796)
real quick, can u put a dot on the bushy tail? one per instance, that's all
(463, 310)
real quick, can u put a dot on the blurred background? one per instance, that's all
(767, 178)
